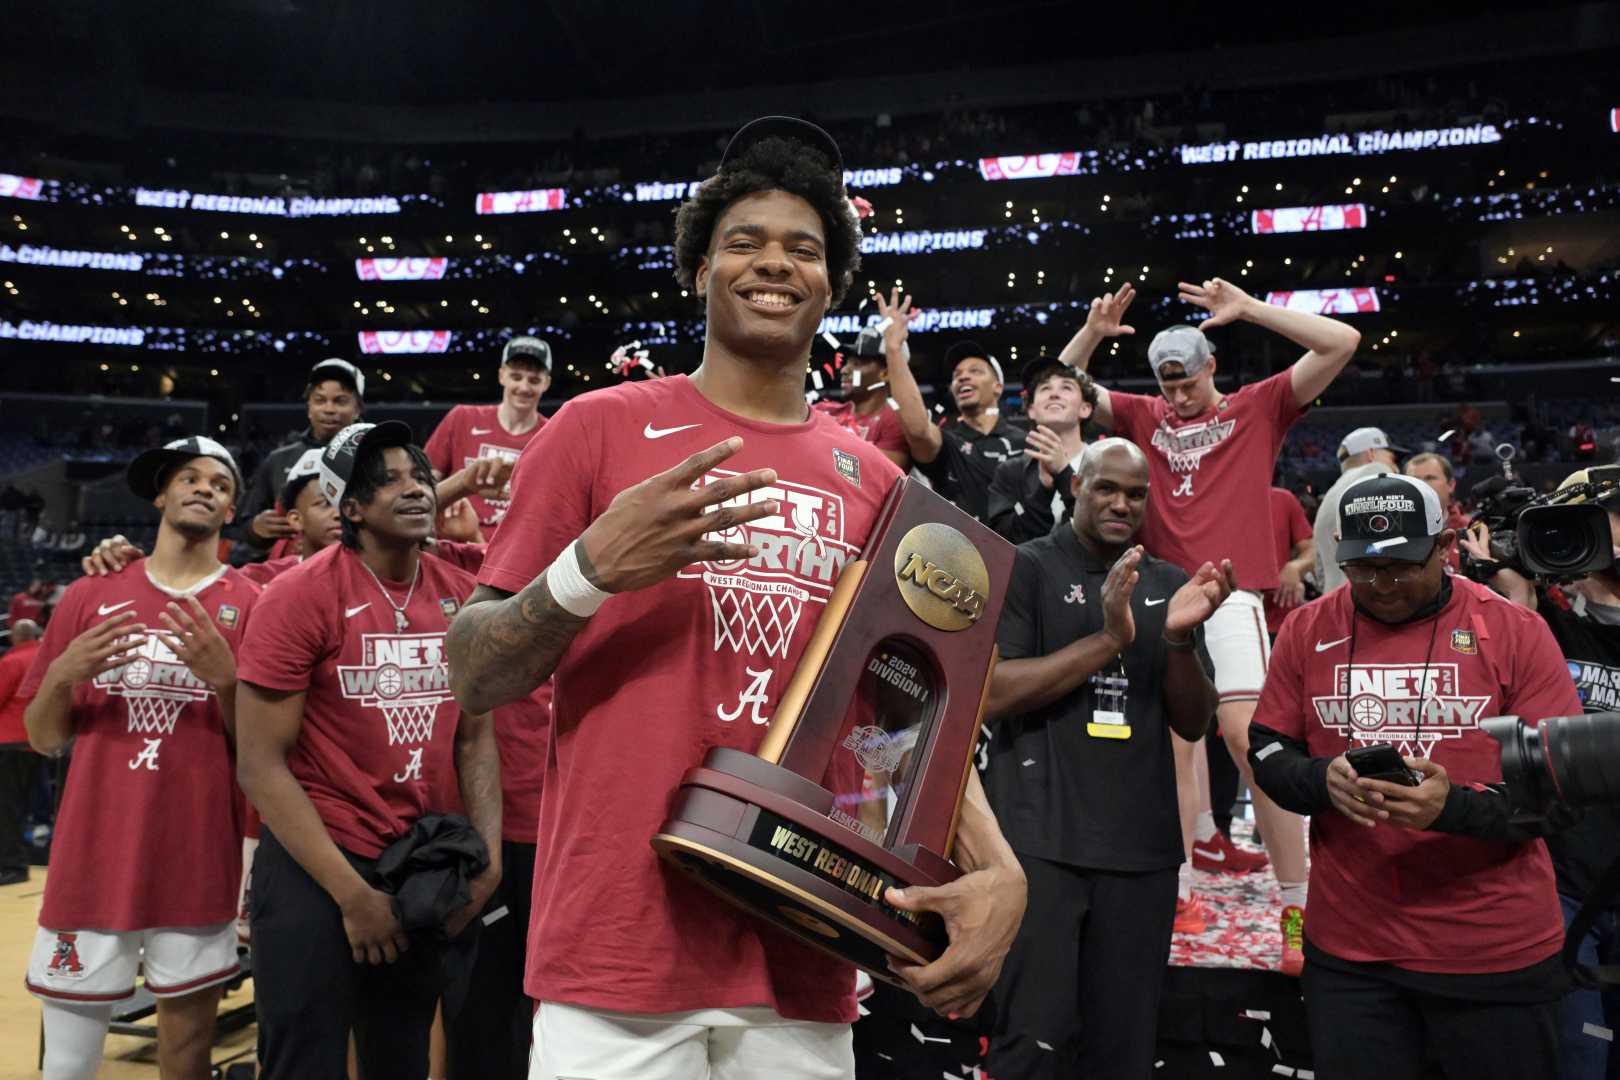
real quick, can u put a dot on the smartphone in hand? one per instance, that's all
(1380, 762)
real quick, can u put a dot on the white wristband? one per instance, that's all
(569, 586)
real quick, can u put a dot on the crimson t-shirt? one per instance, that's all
(657, 678)
(1212, 476)
(1288, 527)
(377, 746)
(147, 835)
(882, 428)
(470, 432)
(1425, 901)
(263, 573)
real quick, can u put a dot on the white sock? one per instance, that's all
(74, 1035)
(1184, 878)
(1293, 893)
(1204, 827)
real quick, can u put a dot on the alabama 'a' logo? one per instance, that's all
(65, 963)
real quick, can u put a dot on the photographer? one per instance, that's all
(1434, 934)
(1584, 617)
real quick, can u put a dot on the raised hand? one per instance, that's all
(269, 525)
(1224, 301)
(101, 648)
(198, 644)
(487, 476)
(1118, 622)
(1197, 600)
(651, 530)
(899, 313)
(1108, 309)
(1043, 445)
(110, 556)
(458, 521)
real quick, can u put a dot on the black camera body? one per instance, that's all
(1548, 537)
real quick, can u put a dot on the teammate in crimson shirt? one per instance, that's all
(1435, 925)
(349, 737)
(138, 673)
(1295, 545)
(1212, 456)
(865, 409)
(717, 511)
(19, 765)
(472, 433)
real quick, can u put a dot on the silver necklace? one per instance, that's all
(400, 621)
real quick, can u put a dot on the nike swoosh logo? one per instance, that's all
(349, 613)
(1213, 855)
(1324, 646)
(108, 609)
(1154, 603)
(482, 430)
(655, 433)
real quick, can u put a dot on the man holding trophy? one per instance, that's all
(705, 517)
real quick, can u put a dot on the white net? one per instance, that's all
(153, 714)
(754, 621)
(410, 722)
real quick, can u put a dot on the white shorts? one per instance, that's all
(1239, 646)
(722, 1044)
(92, 966)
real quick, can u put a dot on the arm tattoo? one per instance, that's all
(501, 649)
(478, 771)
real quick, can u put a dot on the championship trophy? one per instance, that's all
(859, 782)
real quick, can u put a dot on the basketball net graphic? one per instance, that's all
(753, 621)
(155, 687)
(409, 721)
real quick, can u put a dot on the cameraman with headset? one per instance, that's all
(1434, 932)
(1584, 617)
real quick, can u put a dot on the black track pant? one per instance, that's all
(309, 993)
(1366, 1028)
(19, 772)
(488, 1019)
(1079, 994)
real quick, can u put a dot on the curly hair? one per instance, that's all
(773, 164)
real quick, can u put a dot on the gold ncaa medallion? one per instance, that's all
(942, 577)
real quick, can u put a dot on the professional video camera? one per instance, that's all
(1552, 769)
(1556, 537)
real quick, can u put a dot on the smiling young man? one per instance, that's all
(1029, 494)
(138, 673)
(960, 457)
(349, 737)
(1435, 926)
(333, 396)
(471, 433)
(670, 547)
(1100, 662)
(1212, 456)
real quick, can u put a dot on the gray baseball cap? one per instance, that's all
(1367, 438)
(1184, 345)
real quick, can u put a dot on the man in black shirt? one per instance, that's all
(334, 395)
(1101, 657)
(1584, 618)
(1032, 492)
(959, 458)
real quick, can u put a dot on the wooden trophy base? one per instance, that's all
(760, 836)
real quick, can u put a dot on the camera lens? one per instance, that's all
(1559, 546)
(1524, 766)
(1582, 755)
